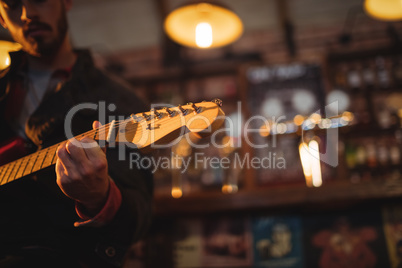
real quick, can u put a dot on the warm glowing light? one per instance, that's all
(5, 48)
(343, 122)
(306, 163)
(325, 123)
(182, 148)
(281, 128)
(229, 189)
(315, 118)
(228, 145)
(347, 116)
(308, 124)
(203, 25)
(310, 159)
(227, 141)
(298, 120)
(388, 10)
(315, 163)
(203, 35)
(176, 192)
(264, 130)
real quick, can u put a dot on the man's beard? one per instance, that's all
(40, 47)
(50, 48)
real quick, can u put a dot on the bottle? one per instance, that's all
(384, 117)
(351, 156)
(353, 77)
(368, 74)
(340, 76)
(383, 155)
(395, 157)
(361, 156)
(383, 75)
(371, 155)
(383, 158)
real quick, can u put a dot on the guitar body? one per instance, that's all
(12, 149)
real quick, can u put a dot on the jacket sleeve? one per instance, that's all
(133, 218)
(134, 215)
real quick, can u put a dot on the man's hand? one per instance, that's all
(82, 173)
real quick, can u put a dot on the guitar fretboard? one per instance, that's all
(43, 158)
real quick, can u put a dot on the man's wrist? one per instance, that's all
(105, 214)
(91, 209)
(96, 204)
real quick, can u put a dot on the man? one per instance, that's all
(87, 211)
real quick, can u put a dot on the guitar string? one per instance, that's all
(89, 134)
(120, 122)
(104, 127)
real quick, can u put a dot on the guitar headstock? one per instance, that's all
(167, 123)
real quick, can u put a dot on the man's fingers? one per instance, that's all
(74, 157)
(96, 124)
(60, 168)
(93, 151)
(77, 152)
(65, 164)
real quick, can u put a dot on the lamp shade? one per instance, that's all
(5, 47)
(389, 10)
(203, 25)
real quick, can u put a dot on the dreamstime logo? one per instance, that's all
(137, 132)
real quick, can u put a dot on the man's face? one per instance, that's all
(40, 26)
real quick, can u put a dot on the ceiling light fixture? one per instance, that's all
(203, 25)
(388, 10)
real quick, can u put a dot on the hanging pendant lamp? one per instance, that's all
(388, 10)
(203, 25)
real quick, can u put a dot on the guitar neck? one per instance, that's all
(141, 130)
(43, 158)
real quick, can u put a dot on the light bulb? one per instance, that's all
(315, 163)
(176, 192)
(203, 35)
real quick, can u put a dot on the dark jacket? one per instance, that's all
(35, 213)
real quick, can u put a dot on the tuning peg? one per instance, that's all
(135, 118)
(184, 111)
(170, 112)
(147, 117)
(217, 102)
(158, 115)
(196, 109)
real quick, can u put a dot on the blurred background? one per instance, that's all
(323, 82)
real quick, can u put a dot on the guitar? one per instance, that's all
(142, 130)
